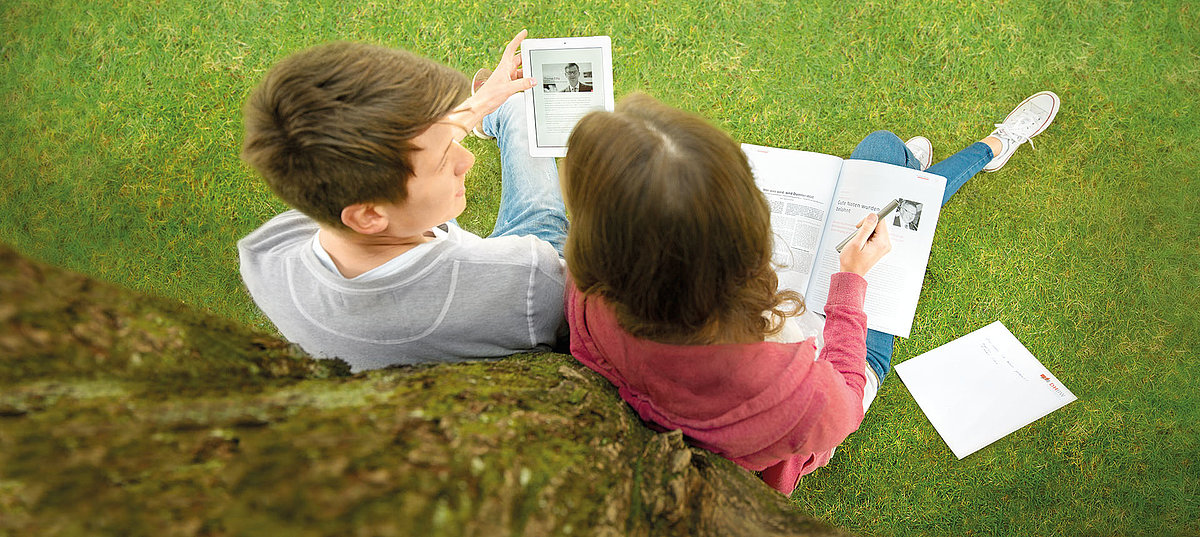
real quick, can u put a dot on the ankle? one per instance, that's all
(995, 144)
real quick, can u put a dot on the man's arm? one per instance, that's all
(506, 81)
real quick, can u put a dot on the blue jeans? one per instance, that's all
(530, 198)
(883, 146)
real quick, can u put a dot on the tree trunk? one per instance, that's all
(123, 414)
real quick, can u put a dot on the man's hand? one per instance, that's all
(506, 80)
(867, 247)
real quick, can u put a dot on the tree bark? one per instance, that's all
(125, 414)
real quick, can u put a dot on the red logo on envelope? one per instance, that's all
(1052, 385)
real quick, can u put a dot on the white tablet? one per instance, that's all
(574, 77)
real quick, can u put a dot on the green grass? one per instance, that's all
(120, 130)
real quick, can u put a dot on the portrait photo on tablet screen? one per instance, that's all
(574, 78)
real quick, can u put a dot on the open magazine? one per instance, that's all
(816, 201)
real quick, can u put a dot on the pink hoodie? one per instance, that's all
(769, 407)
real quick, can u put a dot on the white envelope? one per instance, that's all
(981, 387)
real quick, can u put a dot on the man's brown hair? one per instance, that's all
(333, 125)
(669, 228)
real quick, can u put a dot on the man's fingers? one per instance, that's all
(519, 84)
(516, 42)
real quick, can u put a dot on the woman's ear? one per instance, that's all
(364, 218)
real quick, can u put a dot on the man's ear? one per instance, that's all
(364, 218)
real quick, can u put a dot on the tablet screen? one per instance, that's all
(571, 83)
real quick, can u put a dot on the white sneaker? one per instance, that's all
(1027, 120)
(921, 148)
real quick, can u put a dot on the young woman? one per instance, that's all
(672, 295)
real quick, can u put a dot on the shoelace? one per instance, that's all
(1018, 128)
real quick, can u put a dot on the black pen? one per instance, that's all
(891, 206)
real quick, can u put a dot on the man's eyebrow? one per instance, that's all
(446, 151)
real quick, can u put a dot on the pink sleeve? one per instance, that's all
(785, 476)
(833, 408)
(846, 329)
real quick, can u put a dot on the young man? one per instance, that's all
(364, 143)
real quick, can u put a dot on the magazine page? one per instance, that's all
(799, 186)
(893, 284)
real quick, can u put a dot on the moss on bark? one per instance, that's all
(123, 414)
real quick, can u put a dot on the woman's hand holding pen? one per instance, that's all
(868, 246)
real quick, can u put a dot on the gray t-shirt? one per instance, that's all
(464, 297)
